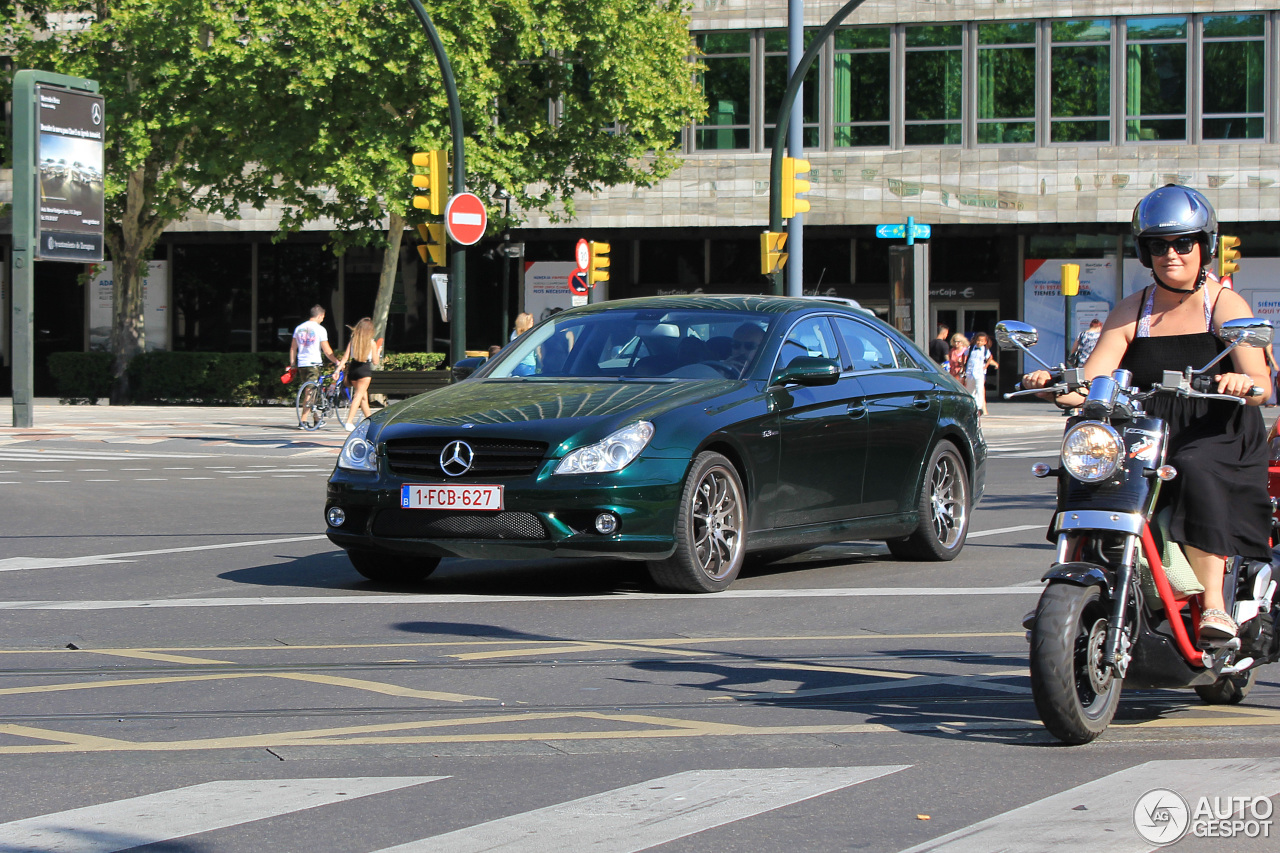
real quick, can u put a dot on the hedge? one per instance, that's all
(210, 378)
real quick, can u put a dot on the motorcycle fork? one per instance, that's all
(1116, 649)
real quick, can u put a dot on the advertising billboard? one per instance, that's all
(69, 160)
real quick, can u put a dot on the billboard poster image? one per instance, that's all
(69, 158)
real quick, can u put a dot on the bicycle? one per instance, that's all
(326, 397)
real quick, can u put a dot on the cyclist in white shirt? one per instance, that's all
(310, 339)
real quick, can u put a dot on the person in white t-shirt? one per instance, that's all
(310, 341)
(980, 359)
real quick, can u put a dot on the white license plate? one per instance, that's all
(451, 497)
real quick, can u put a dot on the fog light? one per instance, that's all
(336, 515)
(606, 523)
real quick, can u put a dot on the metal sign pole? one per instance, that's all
(26, 127)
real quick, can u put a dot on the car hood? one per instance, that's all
(555, 409)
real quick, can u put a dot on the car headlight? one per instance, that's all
(358, 453)
(1092, 451)
(612, 454)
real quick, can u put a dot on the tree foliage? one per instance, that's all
(318, 106)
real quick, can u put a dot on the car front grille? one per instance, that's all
(435, 524)
(494, 457)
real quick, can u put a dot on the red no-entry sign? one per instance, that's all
(465, 218)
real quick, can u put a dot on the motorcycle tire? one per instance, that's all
(1228, 690)
(1074, 695)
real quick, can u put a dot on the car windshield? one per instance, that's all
(638, 344)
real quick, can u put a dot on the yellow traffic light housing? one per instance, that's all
(598, 270)
(431, 173)
(772, 258)
(433, 249)
(1228, 255)
(792, 185)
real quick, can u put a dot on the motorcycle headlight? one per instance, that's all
(1092, 451)
(612, 454)
(358, 452)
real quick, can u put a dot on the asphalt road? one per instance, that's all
(186, 663)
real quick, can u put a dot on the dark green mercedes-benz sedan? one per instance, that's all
(685, 431)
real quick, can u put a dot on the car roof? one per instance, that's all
(755, 303)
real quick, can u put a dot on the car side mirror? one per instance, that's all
(1246, 332)
(808, 371)
(464, 367)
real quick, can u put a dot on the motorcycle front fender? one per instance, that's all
(1080, 574)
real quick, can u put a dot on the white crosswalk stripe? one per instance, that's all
(1099, 815)
(180, 812)
(638, 817)
(15, 454)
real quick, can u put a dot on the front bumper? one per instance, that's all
(543, 515)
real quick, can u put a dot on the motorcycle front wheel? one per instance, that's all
(1075, 695)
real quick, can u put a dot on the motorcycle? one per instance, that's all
(1098, 626)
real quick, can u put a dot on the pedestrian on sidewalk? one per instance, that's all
(938, 347)
(360, 357)
(978, 360)
(310, 340)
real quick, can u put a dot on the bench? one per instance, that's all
(406, 383)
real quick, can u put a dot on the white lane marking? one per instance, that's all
(1099, 815)
(1003, 530)
(180, 812)
(13, 564)
(17, 454)
(904, 593)
(638, 817)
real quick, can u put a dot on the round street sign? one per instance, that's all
(465, 218)
(578, 282)
(582, 254)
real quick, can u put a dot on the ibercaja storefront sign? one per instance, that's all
(69, 159)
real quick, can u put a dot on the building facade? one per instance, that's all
(1022, 131)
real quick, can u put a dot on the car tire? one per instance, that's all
(944, 506)
(710, 530)
(392, 568)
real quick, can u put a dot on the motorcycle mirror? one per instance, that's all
(1247, 332)
(1011, 334)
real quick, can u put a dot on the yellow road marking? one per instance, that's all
(156, 656)
(74, 739)
(851, 670)
(583, 646)
(335, 681)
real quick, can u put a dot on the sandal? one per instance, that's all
(1217, 625)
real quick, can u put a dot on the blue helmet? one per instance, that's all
(1173, 211)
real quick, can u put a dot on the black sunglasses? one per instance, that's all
(1157, 247)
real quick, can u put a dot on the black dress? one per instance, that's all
(1219, 498)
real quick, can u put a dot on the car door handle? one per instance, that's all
(921, 402)
(857, 410)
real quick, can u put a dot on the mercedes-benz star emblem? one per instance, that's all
(456, 458)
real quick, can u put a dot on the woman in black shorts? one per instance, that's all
(360, 357)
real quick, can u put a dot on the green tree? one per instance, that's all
(558, 97)
(214, 105)
(181, 79)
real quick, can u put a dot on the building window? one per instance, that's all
(1007, 82)
(726, 82)
(1080, 81)
(1156, 79)
(861, 87)
(776, 75)
(212, 292)
(1233, 74)
(934, 85)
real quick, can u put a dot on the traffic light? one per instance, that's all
(772, 258)
(598, 271)
(793, 186)
(430, 174)
(432, 250)
(1228, 255)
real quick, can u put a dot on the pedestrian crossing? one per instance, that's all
(1107, 813)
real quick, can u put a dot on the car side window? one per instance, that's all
(867, 348)
(813, 337)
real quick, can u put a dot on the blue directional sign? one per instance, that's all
(910, 230)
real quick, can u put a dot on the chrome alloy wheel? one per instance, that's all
(947, 503)
(717, 521)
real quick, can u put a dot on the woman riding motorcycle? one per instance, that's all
(1219, 498)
